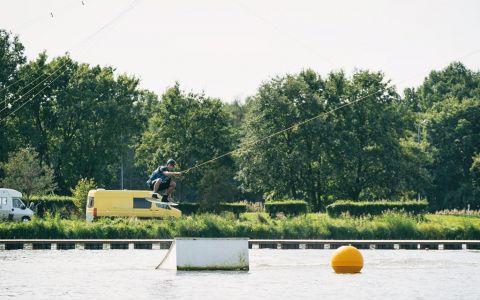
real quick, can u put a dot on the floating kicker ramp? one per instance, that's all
(194, 254)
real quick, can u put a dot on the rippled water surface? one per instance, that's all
(279, 274)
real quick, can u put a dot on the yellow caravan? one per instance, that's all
(125, 203)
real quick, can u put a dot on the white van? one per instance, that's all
(12, 207)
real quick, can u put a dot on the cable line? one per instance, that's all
(21, 27)
(121, 14)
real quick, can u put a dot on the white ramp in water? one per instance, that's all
(207, 254)
(169, 260)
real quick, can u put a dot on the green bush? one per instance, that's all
(80, 193)
(233, 207)
(287, 207)
(458, 212)
(188, 208)
(63, 206)
(236, 208)
(376, 207)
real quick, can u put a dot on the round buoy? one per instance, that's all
(347, 259)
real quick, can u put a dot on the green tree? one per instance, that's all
(80, 193)
(354, 152)
(24, 172)
(448, 101)
(368, 155)
(289, 164)
(84, 122)
(454, 139)
(236, 112)
(216, 185)
(11, 59)
(413, 173)
(475, 173)
(455, 81)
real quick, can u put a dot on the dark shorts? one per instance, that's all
(163, 185)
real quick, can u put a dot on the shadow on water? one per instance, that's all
(210, 273)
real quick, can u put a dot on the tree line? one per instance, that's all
(366, 141)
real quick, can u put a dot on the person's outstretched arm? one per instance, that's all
(168, 173)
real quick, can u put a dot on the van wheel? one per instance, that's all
(25, 219)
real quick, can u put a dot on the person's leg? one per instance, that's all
(156, 185)
(170, 189)
(164, 185)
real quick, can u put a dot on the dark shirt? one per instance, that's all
(162, 176)
(158, 174)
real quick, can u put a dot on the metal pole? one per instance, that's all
(121, 173)
(121, 164)
(418, 138)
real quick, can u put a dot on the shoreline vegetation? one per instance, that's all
(60, 218)
(255, 225)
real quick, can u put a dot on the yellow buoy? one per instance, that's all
(347, 259)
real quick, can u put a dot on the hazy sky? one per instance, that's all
(227, 48)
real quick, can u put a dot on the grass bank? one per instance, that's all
(254, 225)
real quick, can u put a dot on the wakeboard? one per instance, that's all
(159, 200)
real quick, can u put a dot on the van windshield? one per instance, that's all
(17, 203)
(163, 205)
(90, 201)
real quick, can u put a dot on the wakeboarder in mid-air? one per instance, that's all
(161, 180)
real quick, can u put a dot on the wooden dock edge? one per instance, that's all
(161, 244)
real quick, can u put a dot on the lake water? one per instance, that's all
(274, 274)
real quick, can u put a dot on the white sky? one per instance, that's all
(228, 47)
